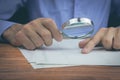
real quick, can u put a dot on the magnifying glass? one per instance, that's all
(77, 28)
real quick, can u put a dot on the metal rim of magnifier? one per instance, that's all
(72, 21)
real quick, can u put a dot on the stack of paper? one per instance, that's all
(68, 53)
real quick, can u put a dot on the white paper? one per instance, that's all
(68, 53)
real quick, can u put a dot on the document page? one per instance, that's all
(67, 53)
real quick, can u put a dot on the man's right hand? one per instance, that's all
(33, 34)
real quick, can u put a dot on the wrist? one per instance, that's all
(9, 33)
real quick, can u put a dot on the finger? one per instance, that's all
(44, 33)
(50, 25)
(15, 42)
(32, 35)
(116, 43)
(84, 42)
(94, 41)
(24, 40)
(108, 38)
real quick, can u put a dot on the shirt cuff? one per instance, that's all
(3, 26)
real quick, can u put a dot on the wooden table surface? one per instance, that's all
(13, 66)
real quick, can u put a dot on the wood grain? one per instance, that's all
(13, 66)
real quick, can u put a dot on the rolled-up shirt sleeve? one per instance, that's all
(7, 10)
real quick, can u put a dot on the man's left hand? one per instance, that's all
(108, 37)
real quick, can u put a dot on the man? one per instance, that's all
(44, 18)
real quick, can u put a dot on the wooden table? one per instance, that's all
(13, 66)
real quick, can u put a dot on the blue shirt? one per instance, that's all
(59, 10)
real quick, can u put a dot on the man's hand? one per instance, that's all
(108, 37)
(33, 34)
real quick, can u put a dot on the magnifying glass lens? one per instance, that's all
(78, 28)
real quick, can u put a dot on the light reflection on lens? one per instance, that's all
(78, 28)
